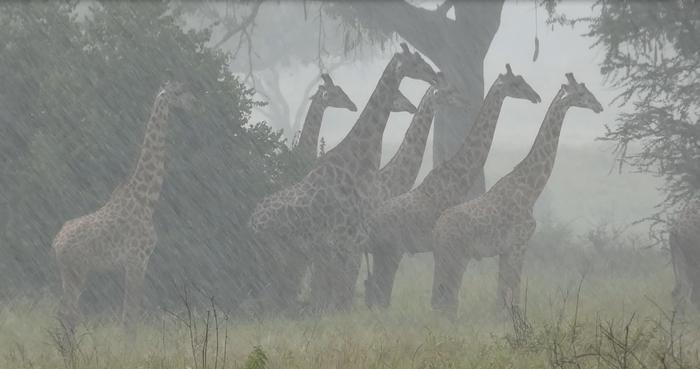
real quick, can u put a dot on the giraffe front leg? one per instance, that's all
(350, 253)
(509, 271)
(322, 269)
(510, 265)
(447, 280)
(134, 276)
(379, 289)
(344, 292)
(288, 279)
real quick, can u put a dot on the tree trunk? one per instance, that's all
(458, 48)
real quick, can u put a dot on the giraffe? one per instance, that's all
(120, 235)
(500, 222)
(297, 222)
(328, 95)
(399, 174)
(403, 223)
(399, 104)
(684, 238)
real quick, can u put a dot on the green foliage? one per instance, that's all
(652, 54)
(257, 359)
(76, 95)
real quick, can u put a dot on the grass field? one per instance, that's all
(620, 317)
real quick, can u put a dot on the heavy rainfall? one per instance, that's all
(350, 184)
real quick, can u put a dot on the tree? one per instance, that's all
(75, 99)
(457, 46)
(264, 37)
(652, 54)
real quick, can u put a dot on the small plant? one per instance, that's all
(66, 342)
(210, 327)
(257, 359)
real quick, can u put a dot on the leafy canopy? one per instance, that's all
(77, 91)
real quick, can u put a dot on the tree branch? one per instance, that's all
(445, 7)
(402, 18)
(241, 26)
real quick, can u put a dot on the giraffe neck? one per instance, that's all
(308, 140)
(147, 179)
(449, 183)
(532, 173)
(399, 174)
(360, 151)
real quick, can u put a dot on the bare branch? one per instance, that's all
(241, 26)
(445, 7)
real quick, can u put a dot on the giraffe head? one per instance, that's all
(332, 95)
(402, 103)
(445, 94)
(177, 95)
(412, 65)
(515, 86)
(576, 94)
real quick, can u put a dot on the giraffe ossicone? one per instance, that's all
(328, 95)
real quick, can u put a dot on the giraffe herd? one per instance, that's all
(347, 206)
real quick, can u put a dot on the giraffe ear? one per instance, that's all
(321, 91)
(571, 79)
(405, 49)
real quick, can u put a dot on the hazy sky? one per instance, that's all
(562, 50)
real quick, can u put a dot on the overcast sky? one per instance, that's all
(561, 50)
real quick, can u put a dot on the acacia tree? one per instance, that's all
(457, 45)
(652, 53)
(264, 37)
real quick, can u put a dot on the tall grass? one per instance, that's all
(593, 301)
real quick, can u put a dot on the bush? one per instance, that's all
(76, 95)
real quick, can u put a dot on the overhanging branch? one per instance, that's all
(247, 21)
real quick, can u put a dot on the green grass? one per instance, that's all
(616, 320)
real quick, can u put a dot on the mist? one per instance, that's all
(423, 184)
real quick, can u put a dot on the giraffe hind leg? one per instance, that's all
(73, 283)
(510, 267)
(379, 289)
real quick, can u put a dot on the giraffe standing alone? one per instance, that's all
(403, 223)
(500, 222)
(120, 235)
(399, 174)
(320, 206)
